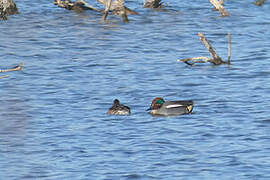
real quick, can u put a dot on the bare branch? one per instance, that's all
(107, 9)
(7, 7)
(77, 6)
(259, 2)
(122, 10)
(217, 4)
(193, 60)
(87, 5)
(229, 47)
(115, 7)
(152, 4)
(216, 59)
(205, 59)
(16, 68)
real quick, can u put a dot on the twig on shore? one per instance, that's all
(216, 59)
(219, 6)
(259, 2)
(16, 68)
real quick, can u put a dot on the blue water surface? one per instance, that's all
(53, 114)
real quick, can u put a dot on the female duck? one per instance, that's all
(119, 109)
(170, 108)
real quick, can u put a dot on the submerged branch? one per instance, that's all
(219, 6)
(152, 4)
(259, 2)
(16, 68)
(216, 60)
(193, 60)
(229, 47)
(117, 7)
(107, 9)
(196, 59)
(78, 6)
(7, 7)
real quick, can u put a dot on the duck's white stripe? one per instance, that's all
(174, 106)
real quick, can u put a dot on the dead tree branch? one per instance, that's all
(222, 2)
(107, 9)
(77, 6)
(115, 7)
(7, 7)
(259, 2)
(122, 10)
(229, 47)
(192, 61)
(152, 4)
(218, 5)
(16, 68)
(216, 59)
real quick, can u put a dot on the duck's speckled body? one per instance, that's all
(119, 109)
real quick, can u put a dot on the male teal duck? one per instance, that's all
(170, 108)
(119, 109)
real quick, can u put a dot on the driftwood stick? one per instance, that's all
(16, 68)
(77, 6)
(87, 5)
(122, 10)
(216, 59)
(229, 47)
(195, 59)
(107, 9)
(152, 4)
(7, 7)
(222, 2)
(259, 2)
(217, 4)
(115, 7)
